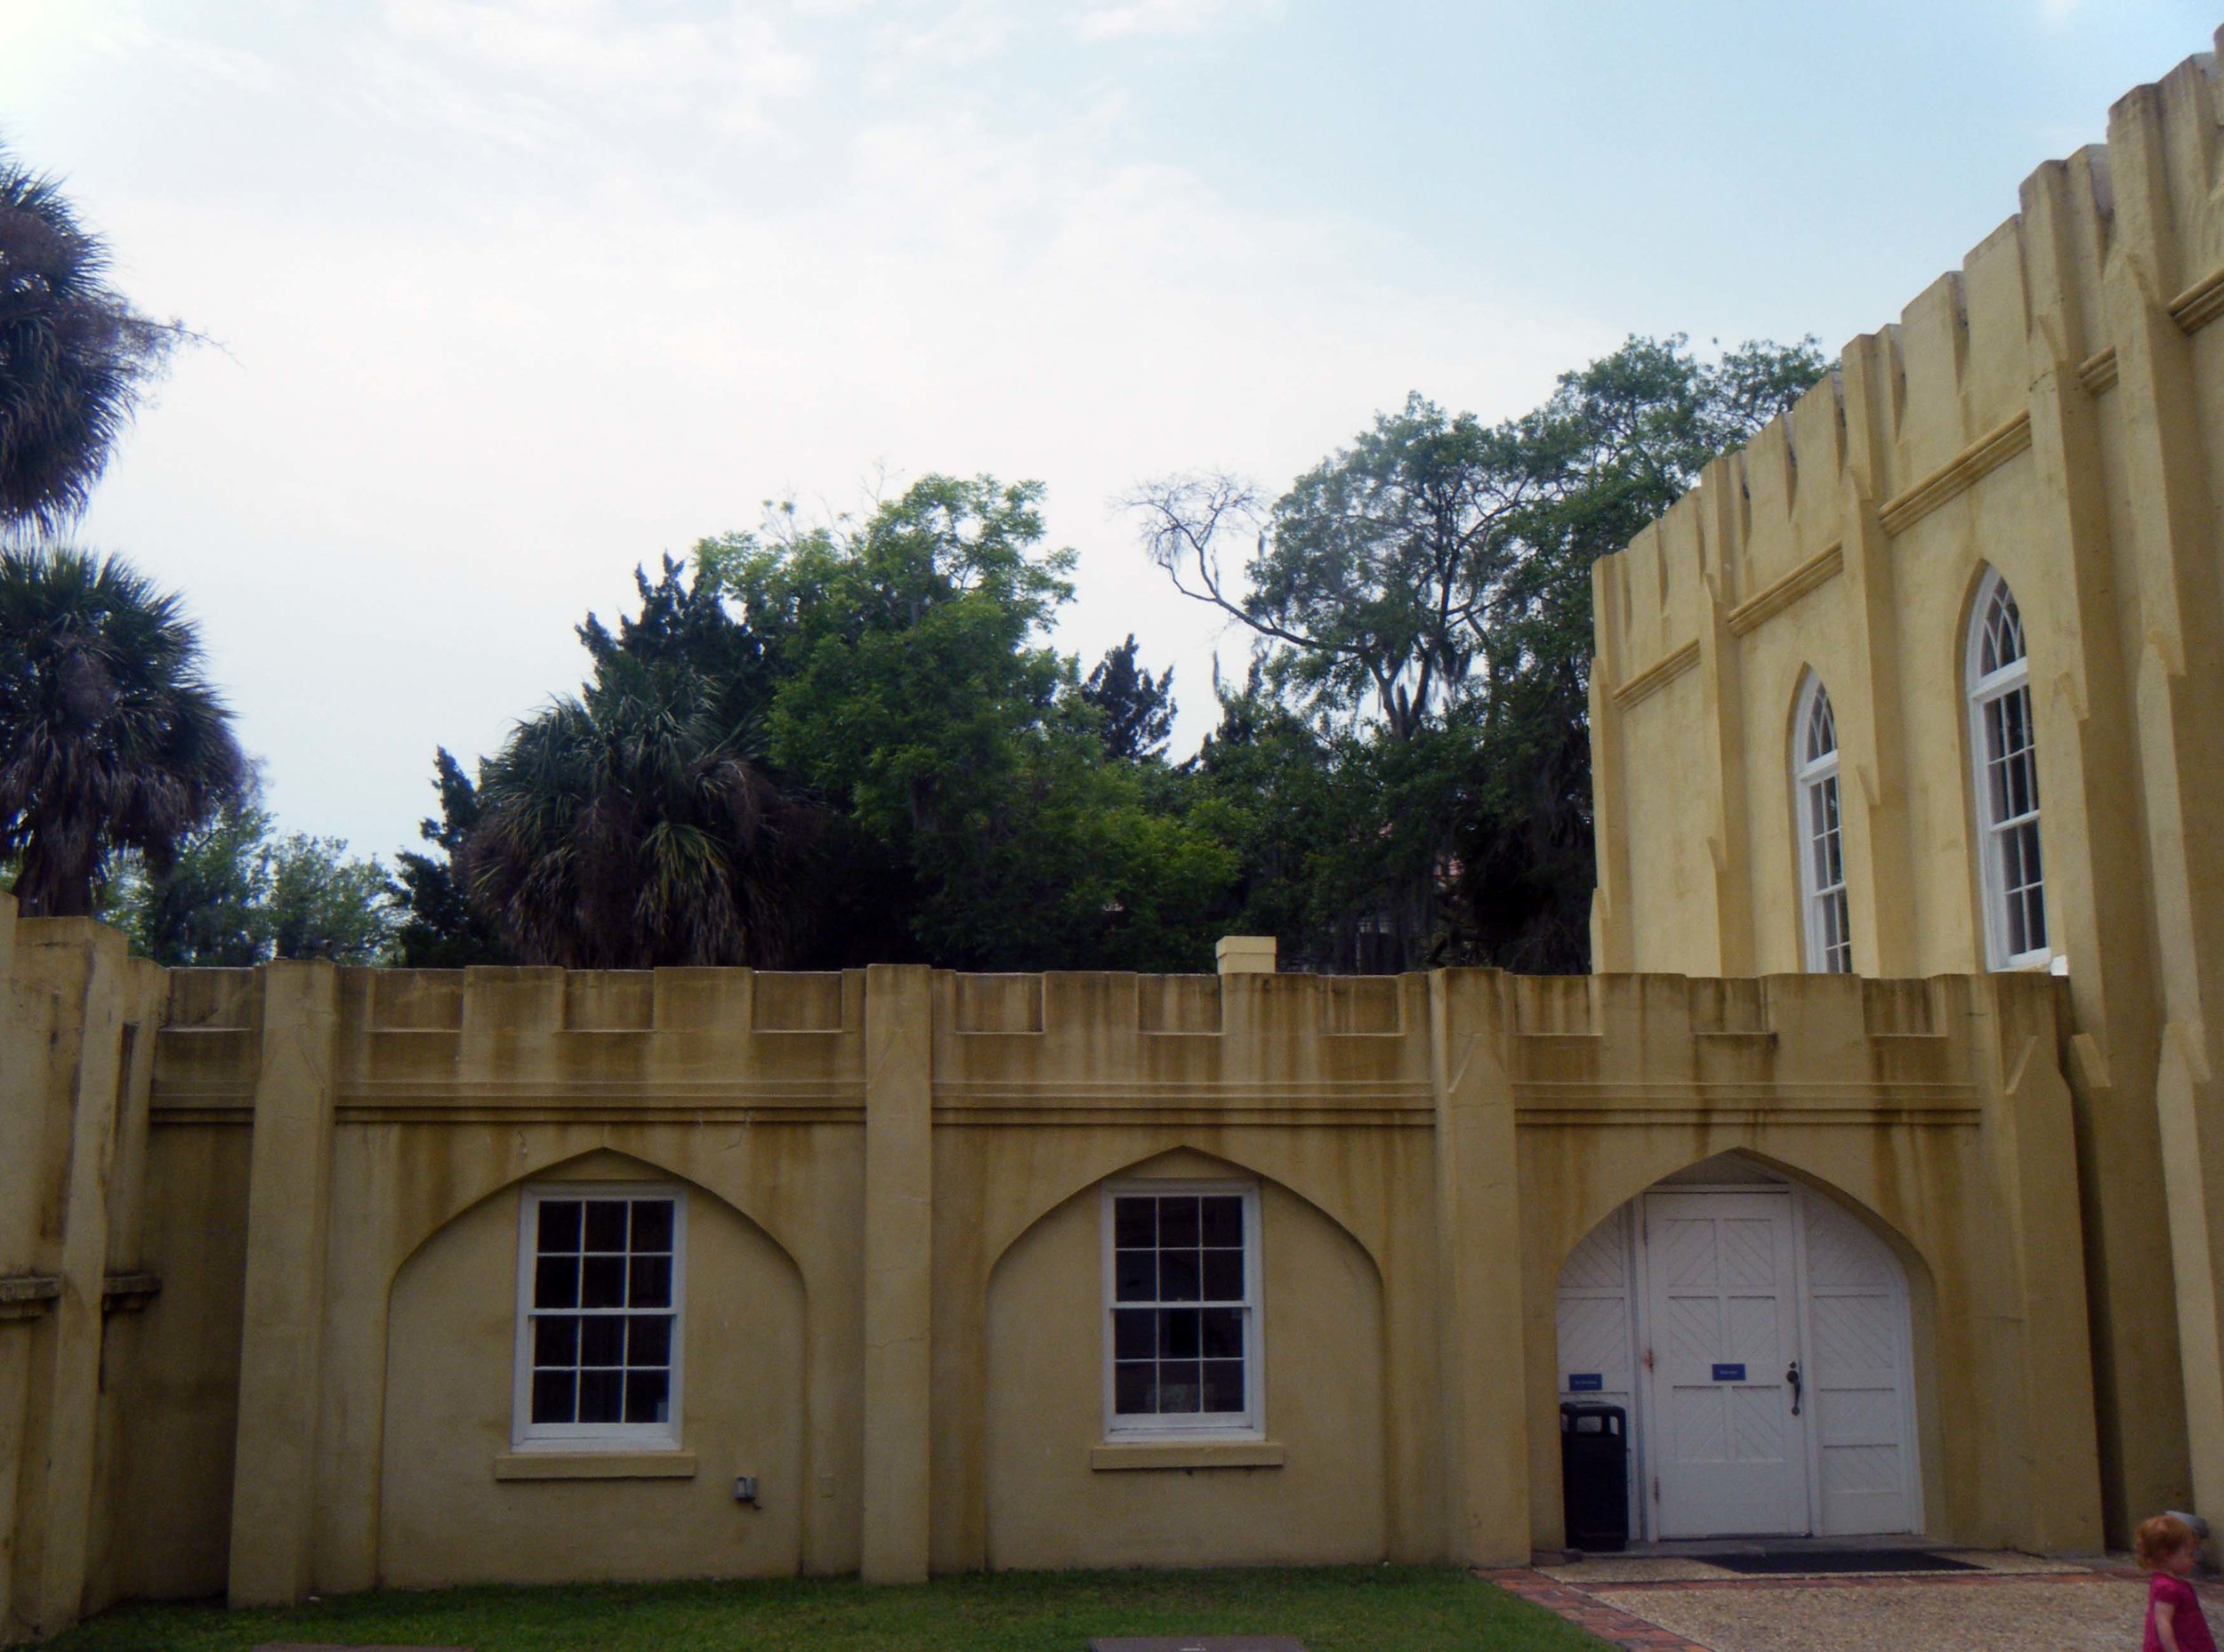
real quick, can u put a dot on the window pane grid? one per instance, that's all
(600, 1317)
(1823, 862)
(2011, 796)
(1181, 1305)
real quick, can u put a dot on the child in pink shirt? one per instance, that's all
(2167, 1548)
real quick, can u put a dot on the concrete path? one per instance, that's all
(2012, 1603)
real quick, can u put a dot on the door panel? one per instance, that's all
(1722, 1309)
(1856, 1312)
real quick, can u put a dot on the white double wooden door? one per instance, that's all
(1690, 1307)
(1729, 1406)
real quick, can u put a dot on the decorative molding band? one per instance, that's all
(1204, 1454)
(594, 1465)
(1658, 675)
(1740, 1118)
(1265, 1118)
(28, 1295)
(2200, 304)
(1958, 475)
(1769, 601)
(514, 1114)
(1361, 1090)
(2097, 372)
(128, 1292)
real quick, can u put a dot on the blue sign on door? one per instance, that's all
(1586, 1382)
(1730, 1374)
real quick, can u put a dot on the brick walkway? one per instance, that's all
(1894, 1613)
(1615, 1628)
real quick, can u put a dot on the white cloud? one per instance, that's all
(726, 63)
(470, 384)
(1128, 19)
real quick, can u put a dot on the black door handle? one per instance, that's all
(1792, 1377)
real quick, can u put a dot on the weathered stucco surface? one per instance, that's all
(2053, 410)
(299, 1188)
(258, 1229)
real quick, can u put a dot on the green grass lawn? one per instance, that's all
(1339, 1609)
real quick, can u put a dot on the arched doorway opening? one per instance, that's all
(1758, 1334)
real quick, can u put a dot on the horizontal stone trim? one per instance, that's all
(28, 1295)
(594, 1113)
(1186, 1454)
(595, 1465)
(128, 1292)
(1958, 475)
(1772, 599)
(1658, 675)
(2097, 372)
(2200, 304)
(1733, 1116)
(1287, 1118)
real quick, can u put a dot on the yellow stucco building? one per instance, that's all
(1930, 679)
(1875, 1173)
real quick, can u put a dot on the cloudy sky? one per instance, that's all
(509, 295)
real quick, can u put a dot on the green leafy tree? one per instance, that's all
(440, 929)
(637, 824)
(1137, 708)
(76, 357)
(1422, 598)
(111, 737)
(914, 690)
(206, 907)
(238, 892)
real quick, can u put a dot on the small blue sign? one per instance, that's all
(1586, 1382)
(1730, 1374)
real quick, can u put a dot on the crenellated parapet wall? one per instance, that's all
(313, 1177)
(1923, 410)
(2052, 413)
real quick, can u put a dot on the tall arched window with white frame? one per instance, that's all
(1822, 839)
(2005, 752)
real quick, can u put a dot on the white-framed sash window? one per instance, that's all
(1829, 937)
(1181, 1324)
(2004, 751)
(601, 1279)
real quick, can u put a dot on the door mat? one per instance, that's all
(1201, 1643)
(1797, 1563)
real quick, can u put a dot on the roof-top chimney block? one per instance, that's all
(1245, 955)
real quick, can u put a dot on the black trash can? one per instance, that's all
(1594, 1474)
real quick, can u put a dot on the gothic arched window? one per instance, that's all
(1822, 840)
(2006, 757)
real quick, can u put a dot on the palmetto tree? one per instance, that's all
(75, 357)
(634, 827)
(110, 735)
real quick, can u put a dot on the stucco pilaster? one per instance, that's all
(1729, 828)
(2098, 901)
(1478, 1239)
(898, 1269)
(1610, 948)
(82, 969)
(2177, 706)
(289, 1201)
(1872, 725)
(2046, 1438)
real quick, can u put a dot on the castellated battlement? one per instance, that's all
(763, 1045)
(1922, 409)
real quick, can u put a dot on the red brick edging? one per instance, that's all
(1615, 1628)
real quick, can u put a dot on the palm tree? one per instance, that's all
(110, 735)
(634, 826)
(75, 357)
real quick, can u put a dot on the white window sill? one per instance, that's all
(1189, 1454)
(595, 1465)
